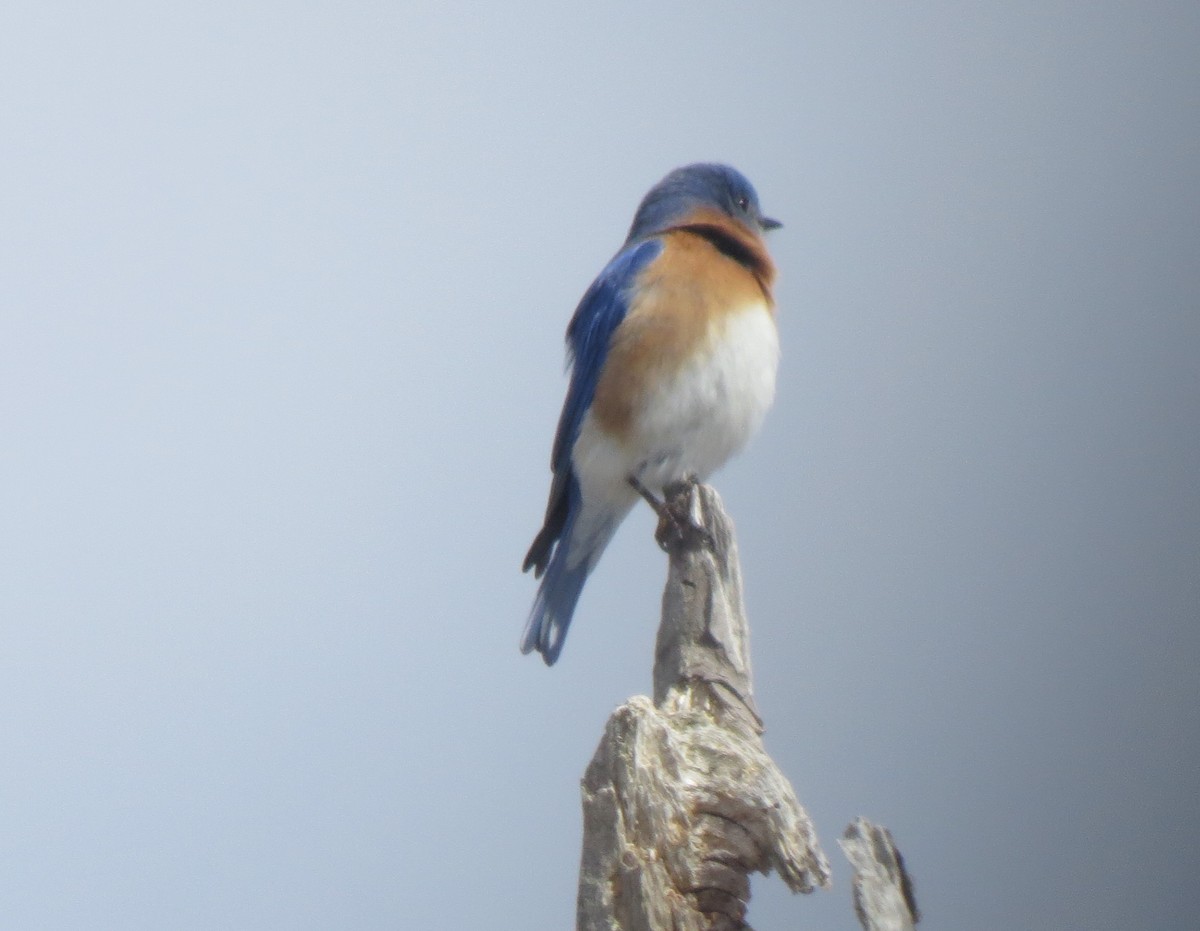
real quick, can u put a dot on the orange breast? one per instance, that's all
(682, 298)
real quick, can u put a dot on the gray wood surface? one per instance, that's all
(681, 802)
(883, 891)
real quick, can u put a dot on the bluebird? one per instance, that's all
(673, 352)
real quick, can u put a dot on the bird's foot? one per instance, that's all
(677, 528)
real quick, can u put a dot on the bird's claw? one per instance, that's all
(676, 529)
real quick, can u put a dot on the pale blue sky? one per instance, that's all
(284, 291)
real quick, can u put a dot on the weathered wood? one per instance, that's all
(681, 801)
(883, 890)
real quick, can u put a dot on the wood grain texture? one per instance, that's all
(883, 891)
(681, 802)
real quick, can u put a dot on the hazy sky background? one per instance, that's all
(282, 296)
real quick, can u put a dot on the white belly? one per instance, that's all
(694, 421)
(691, 422)
(689, 425)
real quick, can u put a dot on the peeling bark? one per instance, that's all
(883, 891)
(681, 802)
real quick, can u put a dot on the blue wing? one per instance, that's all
(598, 315)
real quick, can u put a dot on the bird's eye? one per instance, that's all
(743, 202)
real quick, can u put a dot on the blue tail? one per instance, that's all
(546, 629)
(568, 546)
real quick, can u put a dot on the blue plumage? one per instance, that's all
(590, 492)
(694, 186)
(596, 318)
(599, 313)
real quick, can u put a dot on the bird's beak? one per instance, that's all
(768, 224)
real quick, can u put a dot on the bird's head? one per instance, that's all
(694, 187)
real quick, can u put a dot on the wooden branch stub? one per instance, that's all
(883, 890)
(681, 802)
(704, 640)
